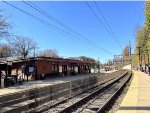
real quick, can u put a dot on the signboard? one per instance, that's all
(31, 69)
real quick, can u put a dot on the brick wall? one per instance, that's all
(43, 67)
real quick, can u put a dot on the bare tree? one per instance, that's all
(4, 26)
(88, 59)
(49, 53)
(23, 45)
(5, 50)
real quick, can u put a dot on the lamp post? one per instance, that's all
(9, 63)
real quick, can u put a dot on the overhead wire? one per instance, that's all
(110, 33)
(50, 25)
(107, 24)
(139, 18)
(47, 15)
(62, 24)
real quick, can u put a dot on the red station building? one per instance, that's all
(48, 66)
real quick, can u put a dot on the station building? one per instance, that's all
(49, 66)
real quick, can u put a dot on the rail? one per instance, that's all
(55, 94)
(74, 105)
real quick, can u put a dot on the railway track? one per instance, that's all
(99, 102)
(57, 97)
(93, 100)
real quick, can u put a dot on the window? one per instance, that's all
(54, 67)
(72, 68)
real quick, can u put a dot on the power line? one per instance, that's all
(61, 23)
(102, 23)
(107, 24)
(49, 16)
(49, 25)
(64, 25)
(139, 17)
(42, 21)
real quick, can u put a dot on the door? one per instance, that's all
(64, 70)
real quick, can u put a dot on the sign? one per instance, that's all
(31, 69)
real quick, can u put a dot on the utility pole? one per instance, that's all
(98, 65)
(144, 64)
(114, 63)
(148, 61)
(109, 64)
(122, 61)
(139, 54)
(130, 53)
(34, 52)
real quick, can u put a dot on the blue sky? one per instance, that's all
(123, 17)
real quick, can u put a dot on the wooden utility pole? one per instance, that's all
(130, 51)
(98, 65)
(148, 61)
(139, 54)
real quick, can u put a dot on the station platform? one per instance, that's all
(137, 99)
(42, 83)
(51, 81)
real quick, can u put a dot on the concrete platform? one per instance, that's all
(137, 99)
(42, 83)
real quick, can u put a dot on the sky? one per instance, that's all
(122, 17)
